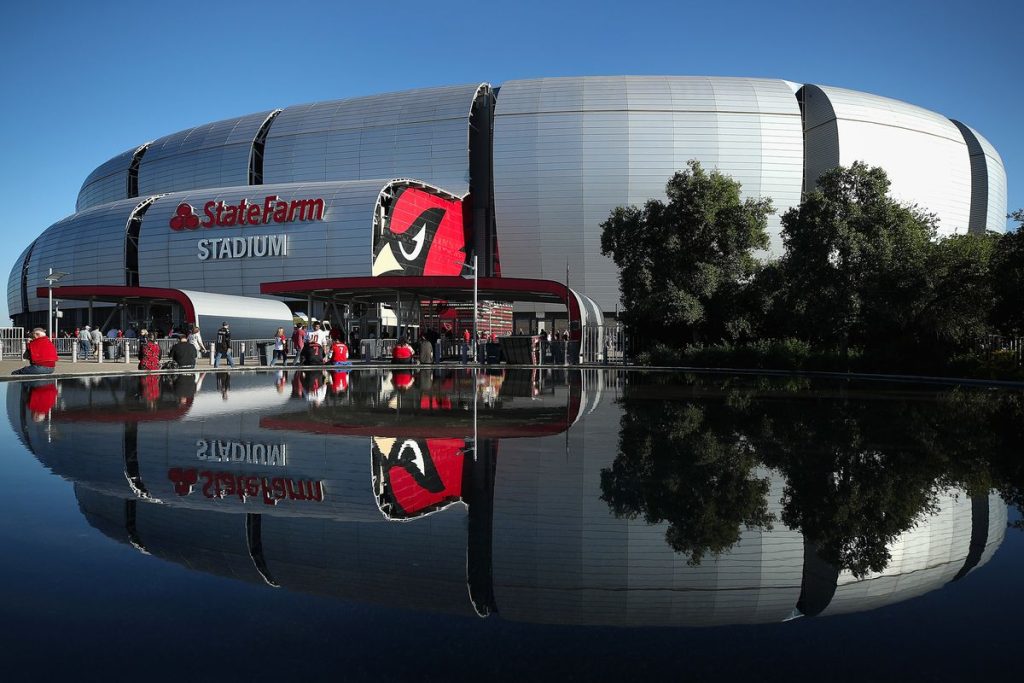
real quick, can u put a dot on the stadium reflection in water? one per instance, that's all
(569, 497)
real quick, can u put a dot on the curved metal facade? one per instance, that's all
(988, 183)
(212, 155)
(422, 134)
(341, 244)
(107, 183)
(563, 153)
(568, 150)
(15, 294)
(923, 153)
(88, 245)
(928, 556)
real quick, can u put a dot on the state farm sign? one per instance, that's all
(223, 215)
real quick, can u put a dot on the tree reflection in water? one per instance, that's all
(863, 463)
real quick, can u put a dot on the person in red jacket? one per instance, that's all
(41, 400)
(40, 353)
(403, 353)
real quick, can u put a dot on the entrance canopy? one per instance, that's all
(382, 289)
(249, 317)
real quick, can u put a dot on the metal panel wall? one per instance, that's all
(108, 183)
(562, 556)
(988, 183)
(212, 155)
(923, 559)
(924, 153)
(422, 134)
(15, 304)
(568, 150)
(89, 245)
(339, 245)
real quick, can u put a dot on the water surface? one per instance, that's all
(580, 525)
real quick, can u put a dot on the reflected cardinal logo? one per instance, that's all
(423, 235)
(414, 477)
(183, 480)
(184, 218)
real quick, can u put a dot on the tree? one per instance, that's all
(683, 264)
(853, 256)
(681, 462)
(1008, 280)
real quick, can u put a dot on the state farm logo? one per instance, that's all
(185, 217)
(223, 214)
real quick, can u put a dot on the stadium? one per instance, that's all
(372, 211)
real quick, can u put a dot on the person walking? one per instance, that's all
(40, 353)
(280, 347)
(85, 342)
(222, 346)
(298, 342)
(96, 337)
(320, 334)
(195, 338)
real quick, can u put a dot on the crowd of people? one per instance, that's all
(320, 346)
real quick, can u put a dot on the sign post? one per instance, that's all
(51, 278)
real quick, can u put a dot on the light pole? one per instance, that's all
(52, 277)
(476, 308)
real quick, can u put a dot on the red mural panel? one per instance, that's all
(423, 234)
(417, 476)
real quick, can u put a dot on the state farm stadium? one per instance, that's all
(371, 211)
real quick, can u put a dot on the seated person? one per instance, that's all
(183, 353)
(312, 353)
(149, 354)
(338, 354)
(403, 353)
(40, 353)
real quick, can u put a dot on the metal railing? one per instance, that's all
(1012, 346)
(12, 342)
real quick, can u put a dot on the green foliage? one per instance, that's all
(1008, 280)
(681, 464)
(862, 464)
(683, 265)
(856, 260)
(769, 354)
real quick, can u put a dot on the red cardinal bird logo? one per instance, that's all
(423, 234)
(183, 480)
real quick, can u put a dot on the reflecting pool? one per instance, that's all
(510, 524)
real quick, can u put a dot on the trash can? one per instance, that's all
(265, 351)
(492, 353)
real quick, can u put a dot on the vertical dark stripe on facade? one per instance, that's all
(254, 541)
(131, 243)
(979, 535)
(819, 582)
(479, 471)
(24, 277)
(133, 172)
(259, 143)
(481, 180)
(977, 222)
(130, 527)
(130, 453)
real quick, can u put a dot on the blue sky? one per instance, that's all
(83, 81)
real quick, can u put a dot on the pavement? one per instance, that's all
(65, 368)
